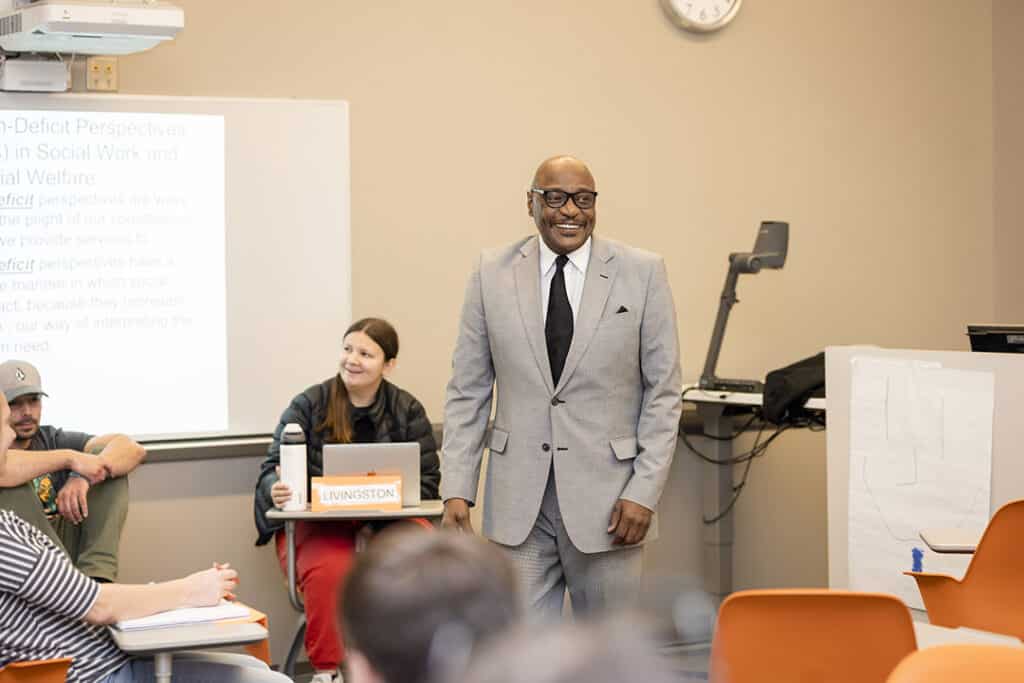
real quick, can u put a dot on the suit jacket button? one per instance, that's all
(545, 447)
(555, 401)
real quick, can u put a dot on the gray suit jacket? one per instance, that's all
(609, 427)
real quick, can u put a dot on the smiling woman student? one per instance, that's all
(357, 405)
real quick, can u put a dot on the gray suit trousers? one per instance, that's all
(548, 563)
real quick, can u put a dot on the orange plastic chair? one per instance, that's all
(44, 671)
(989, 597)
(260, 650)
(962, 663)
(810, 636)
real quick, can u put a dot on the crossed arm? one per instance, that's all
(114, 455)
(23, 466)
(107, 456)
(120, 454)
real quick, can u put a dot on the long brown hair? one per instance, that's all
(336, 419)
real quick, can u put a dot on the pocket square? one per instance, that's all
(622, 309)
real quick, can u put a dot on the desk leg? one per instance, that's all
(717, 492)
(295, 599)
(293, 590)
(162, 667)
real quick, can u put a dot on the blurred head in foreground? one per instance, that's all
(595, 652)
(416, 606)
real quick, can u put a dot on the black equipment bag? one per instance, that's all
(787, 389)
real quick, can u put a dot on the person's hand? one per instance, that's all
(108, 467)
(207, 588)
(89, 466)
(7, 435)
(72, 500)
(630, 522)
(456, 515)
(280, 492)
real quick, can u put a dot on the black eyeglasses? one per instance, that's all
(556, 199)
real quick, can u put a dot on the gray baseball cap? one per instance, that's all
(18, 378)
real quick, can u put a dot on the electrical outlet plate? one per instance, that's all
(101, 74)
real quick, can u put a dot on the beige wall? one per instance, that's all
(867, 125)
(1008, 133)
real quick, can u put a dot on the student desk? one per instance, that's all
(430, 509)
(162, 643)
(717, 413)
(951, 541)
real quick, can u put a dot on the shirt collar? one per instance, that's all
(579, 258)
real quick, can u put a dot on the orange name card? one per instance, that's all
(368, 492)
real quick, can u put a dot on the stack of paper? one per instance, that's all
(186, 616)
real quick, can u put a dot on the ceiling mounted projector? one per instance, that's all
(87, 27)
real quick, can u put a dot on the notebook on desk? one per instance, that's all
(358, 459)
(186, 616)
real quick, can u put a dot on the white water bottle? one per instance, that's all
(293, 465)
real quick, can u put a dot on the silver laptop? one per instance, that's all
(357, 459)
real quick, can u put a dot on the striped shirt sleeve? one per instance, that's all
(39, 572)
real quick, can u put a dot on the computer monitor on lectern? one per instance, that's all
(996, 338)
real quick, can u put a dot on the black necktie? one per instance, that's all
(558, 326)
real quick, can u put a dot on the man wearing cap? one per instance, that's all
(70, 485)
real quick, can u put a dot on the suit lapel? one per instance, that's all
(527, 274)
(596, 286)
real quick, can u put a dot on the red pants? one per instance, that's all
(323, 556)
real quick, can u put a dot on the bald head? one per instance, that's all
(563, 162)
(561, 222)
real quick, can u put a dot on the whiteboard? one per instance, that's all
(278, 272)
(995, 480)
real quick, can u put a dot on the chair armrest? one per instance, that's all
(41, 671)
(942, 596)
(931, 577)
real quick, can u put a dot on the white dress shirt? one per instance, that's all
(575, 273)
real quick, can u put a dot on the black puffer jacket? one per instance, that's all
(396, 416)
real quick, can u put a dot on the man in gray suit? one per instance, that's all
(579, 334)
